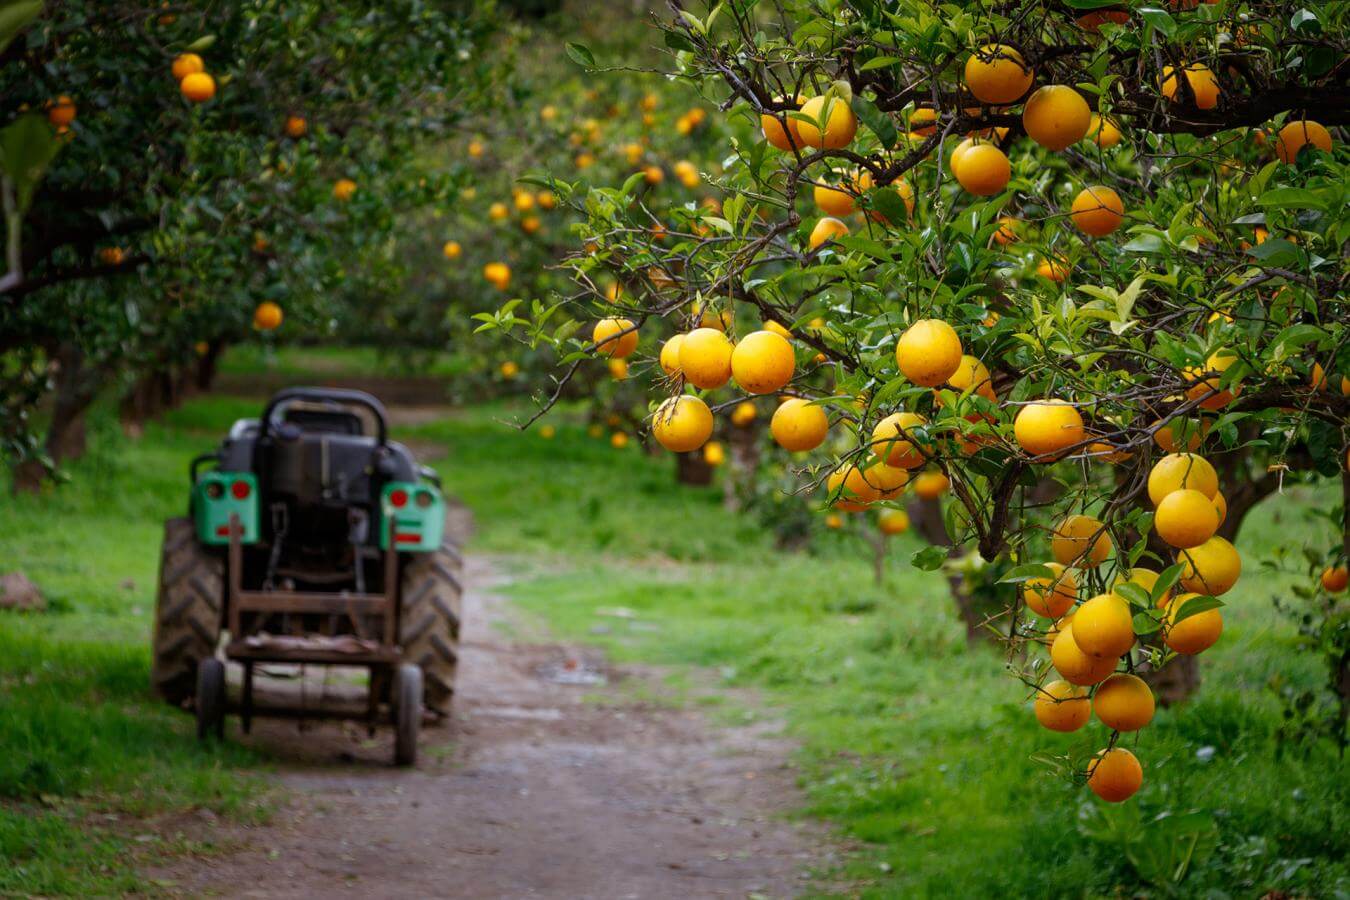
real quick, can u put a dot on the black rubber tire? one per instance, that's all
(407, 713)
(210, 698)
(429, 621)
(187, 612)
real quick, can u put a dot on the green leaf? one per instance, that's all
(1134, 593)
(879, 62)
(1160, 19)
(205, 42)
(928, 559)
(27, 147)
(1166, 579)
(881, 124)
(14, 17)
(1193, 607)
(1026, 573)
(580, 55)
(1291, 198)
(1146, 622)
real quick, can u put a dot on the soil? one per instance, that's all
(558, 776)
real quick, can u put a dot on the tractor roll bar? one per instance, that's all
(327, 395)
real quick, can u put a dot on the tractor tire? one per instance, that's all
(187, 612)
(429, 620)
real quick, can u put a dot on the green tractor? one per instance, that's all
(311, 539)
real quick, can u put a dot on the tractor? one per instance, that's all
(310, 539)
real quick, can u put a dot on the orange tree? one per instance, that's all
(1075, 267)
(188, 175)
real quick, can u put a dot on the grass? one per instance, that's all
(302, 362)
(916, 744)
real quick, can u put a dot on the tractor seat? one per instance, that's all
(324, 467)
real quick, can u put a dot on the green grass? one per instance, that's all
(916, 744)
(307, 362)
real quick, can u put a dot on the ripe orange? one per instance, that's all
(531, 224)
(498, 275)
(744, 414)
(1220, 506)
(618, 369)
(1186, 518)
(1051, 597)
(1123, 702)
(1211, 568)
(1075, 666)
(931, 485)
(929, 352)
(510, 369)
(111, 256)
(1169, 436)
(1054, 268)
(1115, 775)
(1176, 471)
(705, 358)
(799, 425)
(954, 161)
(983, 170)
(1208, 379)
(1204, 85)
(343, 189)
(1104, 626)
(296, 126)
(614, 337)
(1299, 134)
(1048, 426)
(523, 200)
(682, 423)
(546, 199)
(1335, 578)
(762, 363)
(1193, 634)
(1061, 706)
(827, 229)
(670, 355)
(267, 316)
(774, 133)
(1007, 231)
(923, 121)
(61, 112)
(498, 211)
(835, 201)
(972, 375)
(1105, 133)
(1080, 536)
(996, 74)
(893, 521)
(618, 440)
(452, 249)
(198, 87)
(849, 490)
(840, 126)
(185, 64)
(653, 174)
(889, 444)
(1056, 116)
(834, 520)
(1097, 211)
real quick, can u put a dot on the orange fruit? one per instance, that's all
(1105, 133)
(1053, 268)
(1075, 666)
(1299, 134)
(893, 521)
(682, 424)
(840, 126)
(1186, 518)
(931, 485)
(849, 490)
(834, 520)
(1080, 536)
(61, 112)
(185, 64)
(1056, 116)
(887, 481)
(614, 337)
(983, 170)
(1123, 702)
(889, 444)
(1335, 578)
(198, 87)
(296, 126)
(762, 363)
(1097, 211)
(799, 425)
(705, 358)
(1061, 706)
(1007, 231)
(1220, 506)
(972, 375)
(498, 275)
(835, 201)
(1169, 436)
(1048, 426)
(744, 413)
(267, 316)
(1176, 471)
(1194, 634)
(1114, 775)
(343, 189)
(827, 229)
(451, 249)
(1208, 379)
(1211, 568)
(954, 161)
(929, 352)
(772, 125)
(1051, 597)
(510, 369)
(1204, 85)
(498, 211)
(1104, 626)
(618, 369)
(714, 454)
(923, 121)
(996, 74)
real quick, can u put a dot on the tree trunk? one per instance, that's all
(691, 468)
(160, 389)
(208, 364)
(746, 450)
(927, 518)
(67, 434)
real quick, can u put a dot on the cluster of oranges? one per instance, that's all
(194, 82)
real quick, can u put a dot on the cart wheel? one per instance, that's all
(407, 714)
(210, 698)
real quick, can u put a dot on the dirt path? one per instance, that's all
(537, 789)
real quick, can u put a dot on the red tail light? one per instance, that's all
(240, 489)
(398, 498)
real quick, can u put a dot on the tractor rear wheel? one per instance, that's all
(187, 611)
(429, 620)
